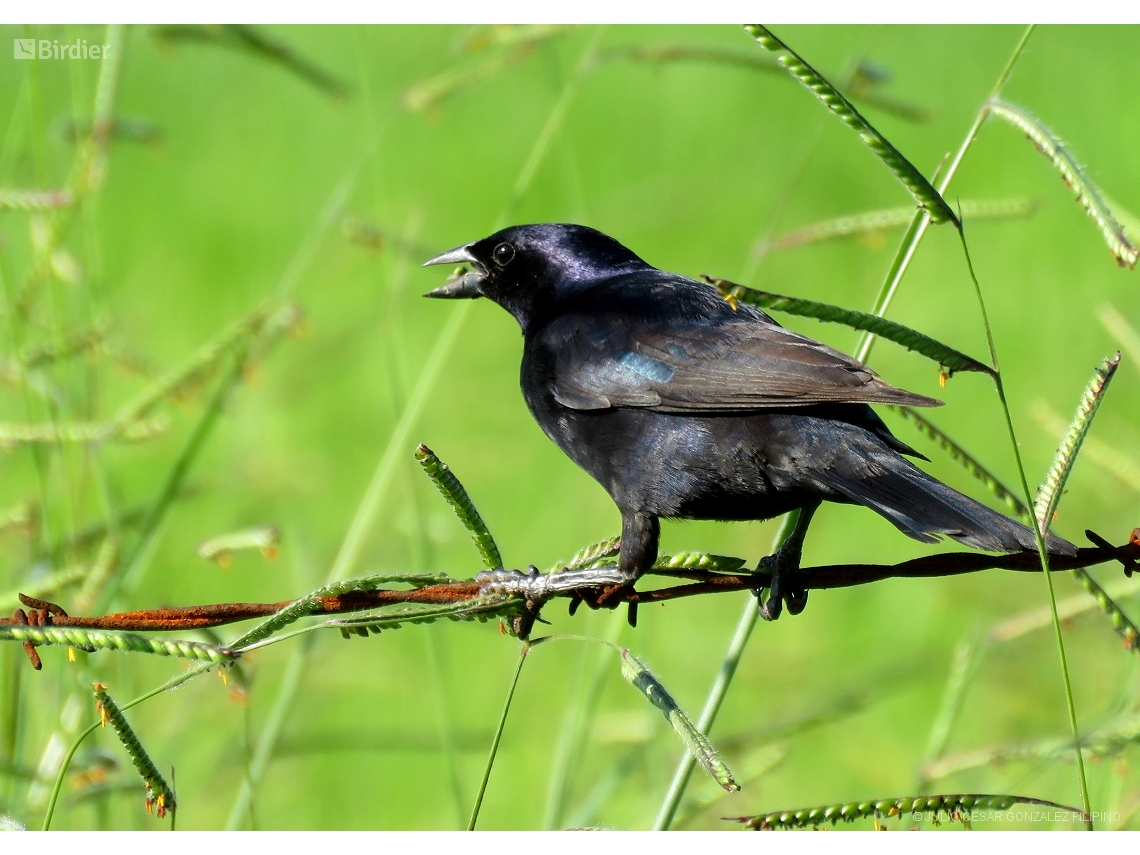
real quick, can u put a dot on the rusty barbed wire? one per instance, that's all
(532, 590)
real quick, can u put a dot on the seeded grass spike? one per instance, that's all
(1087, 193)
(698, 561)
(863, 85)
(427, 95)
(52, 433)
(264, 538)
(310, 604)
(1040, 618)
(589, 555)
(159, 795)
(1116, 463)
(914, 181)
(479, 609)
(508, 35)
(872, 222)
(698, 745)
(1125, 627)
(954, 806)
(35, 200)
(46, 586)
(947, 357)
(1107, 741)
(91, 640)
(1049, 494)
(448, 485)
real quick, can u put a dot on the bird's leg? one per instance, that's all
(639, 536)
(783, 566)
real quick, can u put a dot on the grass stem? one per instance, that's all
(523, 651)
(1038, 536)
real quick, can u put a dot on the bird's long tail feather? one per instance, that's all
(925, 508)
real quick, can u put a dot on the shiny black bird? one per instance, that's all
(682, 405)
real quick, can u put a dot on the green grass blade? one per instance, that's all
(453, 491)
(576, 728)
(1087, 193)
(697, 744)
(951, 805)
(257, 43)
(136, 561)
(872, 222)
(962, 667)
(914, 181)
(1049, 494)
(921, 222)
(968, 461)
(523, 651)
(947, 357)
(1038, 533)
(159, 795)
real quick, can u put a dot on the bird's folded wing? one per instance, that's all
(735, 365)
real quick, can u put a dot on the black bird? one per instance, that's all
(682, 405)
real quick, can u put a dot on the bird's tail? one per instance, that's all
(924, 508)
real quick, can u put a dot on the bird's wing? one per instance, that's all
(738, 364)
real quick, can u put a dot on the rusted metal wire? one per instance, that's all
(535, 589)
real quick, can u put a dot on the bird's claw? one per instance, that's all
(771, 608)
(604, 597)
(796, 598)
(779, 592)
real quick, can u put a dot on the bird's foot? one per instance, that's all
(782, 588)
(530, 585)
(606, 597)
(602, 597)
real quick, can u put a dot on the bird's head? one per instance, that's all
(528, 269)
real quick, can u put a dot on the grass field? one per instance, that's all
(241, 173)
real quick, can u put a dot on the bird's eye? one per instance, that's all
(503, 254)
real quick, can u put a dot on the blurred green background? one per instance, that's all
(238, 173)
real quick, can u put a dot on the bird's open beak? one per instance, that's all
(464, 286)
